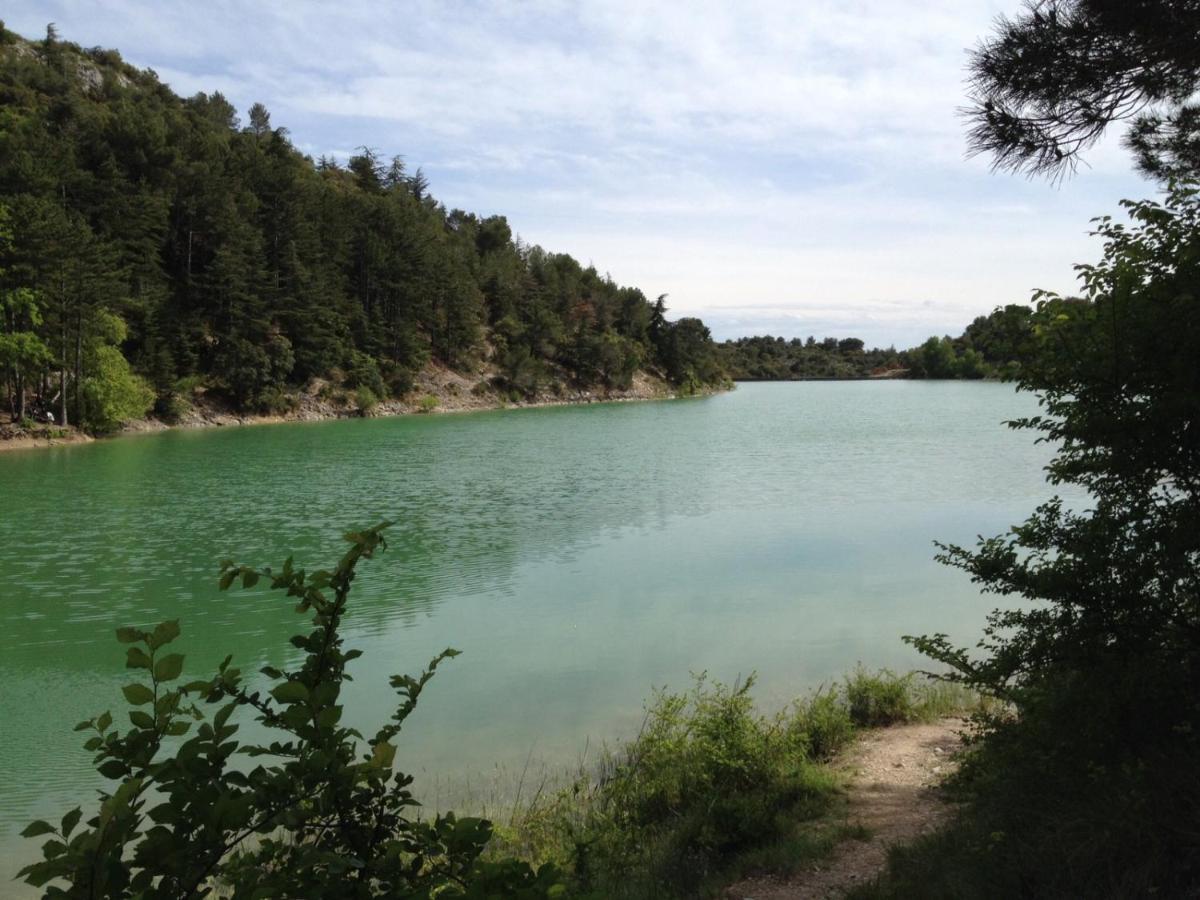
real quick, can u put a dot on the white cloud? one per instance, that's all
(734, 155)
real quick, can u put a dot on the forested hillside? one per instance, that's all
(152, 245)
(992, 346)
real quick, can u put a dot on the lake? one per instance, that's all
(578, 556)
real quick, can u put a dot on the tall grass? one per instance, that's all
(711, 789)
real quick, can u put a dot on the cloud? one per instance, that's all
(733, 155)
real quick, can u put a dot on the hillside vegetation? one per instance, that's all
(154, 246)
(992, 346)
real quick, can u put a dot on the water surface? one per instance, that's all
(577, 555)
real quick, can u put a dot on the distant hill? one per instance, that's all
(992, 346)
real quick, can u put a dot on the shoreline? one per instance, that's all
(438, 391)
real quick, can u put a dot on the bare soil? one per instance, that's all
(893, 774)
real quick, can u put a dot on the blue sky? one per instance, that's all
(790, 168)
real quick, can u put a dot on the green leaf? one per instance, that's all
(175, 729)
(227, 579)
(37, 829)
(129, 635)
(141, 719)
(164, 633)
(136, 658)
(382, 755)
(169, 667)
(290, 692)
(138, 694)
(249, 578)
(112, 769)
(70, 820)
(104, 721)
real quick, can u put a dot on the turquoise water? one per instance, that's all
(578, 556)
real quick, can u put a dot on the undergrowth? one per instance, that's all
(712, 790)
(1090, 792)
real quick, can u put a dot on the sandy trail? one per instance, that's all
(892, 775)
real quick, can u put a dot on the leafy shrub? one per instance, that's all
(254, 374)
(822, 723)
(706, 780)
(317, 815)
(363, 372)
(112, 394)
(427, 404)
(171, 406)
(277, 400)
(365, 400)
(879, 699)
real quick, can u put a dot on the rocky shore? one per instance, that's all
(437, 389)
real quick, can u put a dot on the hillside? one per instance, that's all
(155, 249)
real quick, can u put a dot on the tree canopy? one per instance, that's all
(1048, 82)
(233, 260)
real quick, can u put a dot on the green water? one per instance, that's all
(577, 555)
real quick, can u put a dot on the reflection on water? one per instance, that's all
(578, 555)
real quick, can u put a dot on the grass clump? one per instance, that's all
(707, 788)
(712, 790)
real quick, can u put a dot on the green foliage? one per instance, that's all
(234, 257)
(822, 723)
(991, 346)
(777, 359)
(112, 393)
(1049, 81)
(1090, 789)
(315, 810)
(363, 372)
(710, 789)
(707, 779)
(365, 400)
(689, 356)
(880, 699)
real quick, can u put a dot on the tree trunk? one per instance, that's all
(62, 374)
(62, 358)
(79, 369)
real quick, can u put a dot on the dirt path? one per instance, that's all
(892, 773)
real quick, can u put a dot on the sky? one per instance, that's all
(791, 167)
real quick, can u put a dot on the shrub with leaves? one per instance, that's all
(316, 811)
(707, 779)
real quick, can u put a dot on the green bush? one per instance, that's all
(880, 699)
(363, 372)
(427, 404)
(112, 394)
(822, 723)
(711, 790)
(365, 399)
(707, 781)
(1090, 787)
(171, 406)
(315, 811)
